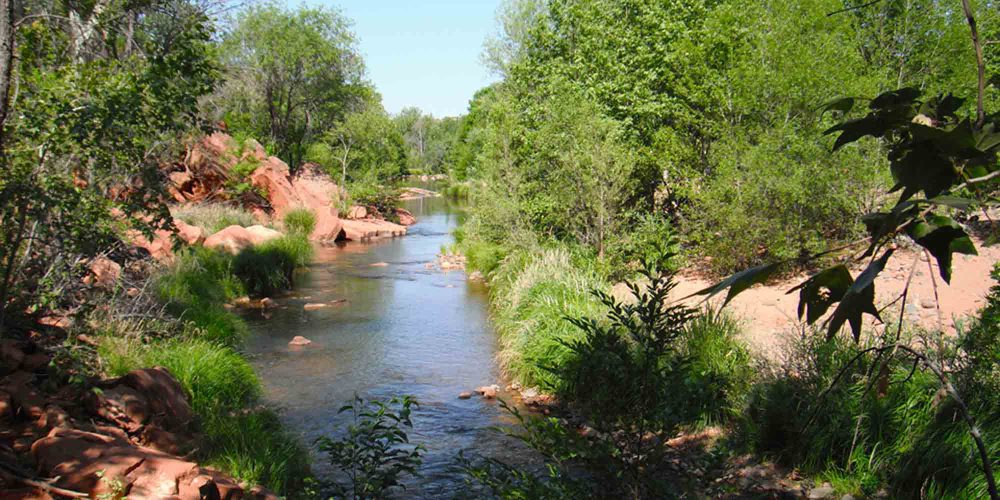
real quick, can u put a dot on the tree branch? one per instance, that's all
(980, 64)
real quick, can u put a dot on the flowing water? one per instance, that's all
(405, 328)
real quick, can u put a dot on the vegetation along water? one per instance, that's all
(669, 249)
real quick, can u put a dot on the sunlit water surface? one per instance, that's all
(405, 328)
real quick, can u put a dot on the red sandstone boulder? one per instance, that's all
(369, 229)
(192, 235)
(328, 225)
(405, 217)
(11, 356)
(357, 212)
(231, 239)
(260, 234)
(104, 273)
(163, 394)
(273, 177)
(299, 341)
(160, 247)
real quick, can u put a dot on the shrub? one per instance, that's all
(300, 221)
(778, 198)
(720, 370)
(213, 217)
(884, 424)
(532, 293)
(195, 286)
(383, 199)
(270, 266)
(649, 239)
(483, 256)
(376, 452)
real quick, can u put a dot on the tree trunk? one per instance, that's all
(6, 65)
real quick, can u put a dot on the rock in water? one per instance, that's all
(299, 340)
(313, 307)
(465, 395)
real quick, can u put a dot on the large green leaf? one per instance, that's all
(942, 237)
(858, 300)
(739, 282)
(922, 168)
(894, 98)
(822, 290)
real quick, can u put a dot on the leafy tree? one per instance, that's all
(292, 74)
(365, 146)
(92, 121)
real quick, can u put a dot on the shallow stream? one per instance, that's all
(406, 328)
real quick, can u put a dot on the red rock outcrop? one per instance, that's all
(125, 443)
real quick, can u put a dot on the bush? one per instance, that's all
(383, 199)
(213, 217)
(270, 266)
(195, 287)
(483, 256)
(300, 221)
(897, 430)
(533, 291)
(649, 239)
(720, 370)
(376, 452)
(777, 199)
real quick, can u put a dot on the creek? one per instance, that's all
(406, 328)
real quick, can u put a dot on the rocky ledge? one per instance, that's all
(128, 437)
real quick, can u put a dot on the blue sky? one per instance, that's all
(422, 53)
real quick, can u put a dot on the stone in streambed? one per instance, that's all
(488, 391)
(464, 395)
(299, 340)
(313, 307)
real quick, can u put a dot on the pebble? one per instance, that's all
(825, 491)
(928, 303)
(313, 307)
(464, 395)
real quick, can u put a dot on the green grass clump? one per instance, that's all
(195, 287)
(300, 221)
(483, 256)
(268, 267)
(533, 291)
(213, 217)
(215, 376)
(254, 447)
(719, 370)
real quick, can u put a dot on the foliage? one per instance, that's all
(364, 147)
(87, 131)
(885, 423)
(719, 373)
(292, 74)
(532, 292)
(300, 221)
(269, 267)
(381, 198)
(376, 452)
(429, 140)
(651, 237)
(212, 217)
(195, 287)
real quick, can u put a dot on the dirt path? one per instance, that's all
(769, 313)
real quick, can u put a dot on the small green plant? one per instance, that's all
(300, 221)
(270, 266)
(376, 452)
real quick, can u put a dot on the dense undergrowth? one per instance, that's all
(242, 437)
(883, 424)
